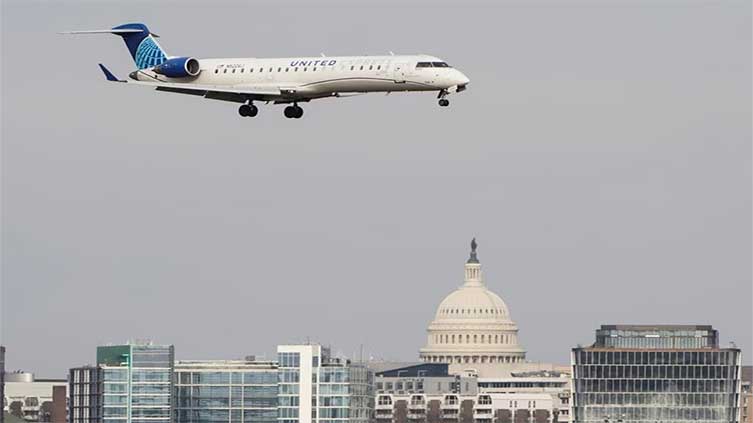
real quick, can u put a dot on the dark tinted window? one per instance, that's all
(423, 64)
(440, 65)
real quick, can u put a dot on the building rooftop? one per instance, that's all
(418, 370)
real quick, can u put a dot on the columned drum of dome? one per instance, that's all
(472, 326)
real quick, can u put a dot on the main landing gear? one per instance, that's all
(443, 102)
(293, 112)
(248, 110)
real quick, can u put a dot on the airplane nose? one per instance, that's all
(462, 81)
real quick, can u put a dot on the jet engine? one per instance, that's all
(179, 67)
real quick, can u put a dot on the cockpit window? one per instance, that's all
(432, 65)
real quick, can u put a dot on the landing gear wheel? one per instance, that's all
(293, 112)
(444, 102)
(248, 110)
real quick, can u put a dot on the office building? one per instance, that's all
(33, 399)
(226, 391)
(746, 392)
(656, 374)
(427, 393)
(2, 383)
(130, 383)
(315, 387)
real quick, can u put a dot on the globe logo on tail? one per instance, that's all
(149, 54)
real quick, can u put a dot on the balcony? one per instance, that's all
(483, 414)
(414, 416)
(450, 414)
(384, 416)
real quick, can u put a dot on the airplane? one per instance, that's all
(288, 81)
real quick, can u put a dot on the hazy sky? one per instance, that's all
(602, 156)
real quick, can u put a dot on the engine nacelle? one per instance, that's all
(179, 67)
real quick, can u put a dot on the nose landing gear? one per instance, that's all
(443, 102)
(293, 112)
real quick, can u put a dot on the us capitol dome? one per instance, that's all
(472, 328)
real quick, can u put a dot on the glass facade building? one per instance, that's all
(656, 374)
(130, 384)
(2, 382)
(144, 384)
(317, 388)
(226, 391)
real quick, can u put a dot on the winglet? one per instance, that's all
(108, 74)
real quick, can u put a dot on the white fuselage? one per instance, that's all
(314, 77)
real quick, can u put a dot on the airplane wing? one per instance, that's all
(234, 93)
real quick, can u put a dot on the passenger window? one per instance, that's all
(287, 69)
(361, 67)
(279, 69)
(304, 69)
(243, 70)
(216, 71)
(233, 70)
(224, 71)
(352, 67)
(314, 69)
(270, 69)
(296, 68)
(379, 67)
(261, 70)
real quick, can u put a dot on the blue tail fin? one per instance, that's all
(145, 50)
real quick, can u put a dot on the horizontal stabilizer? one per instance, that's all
(103, 31)
(108, 74)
